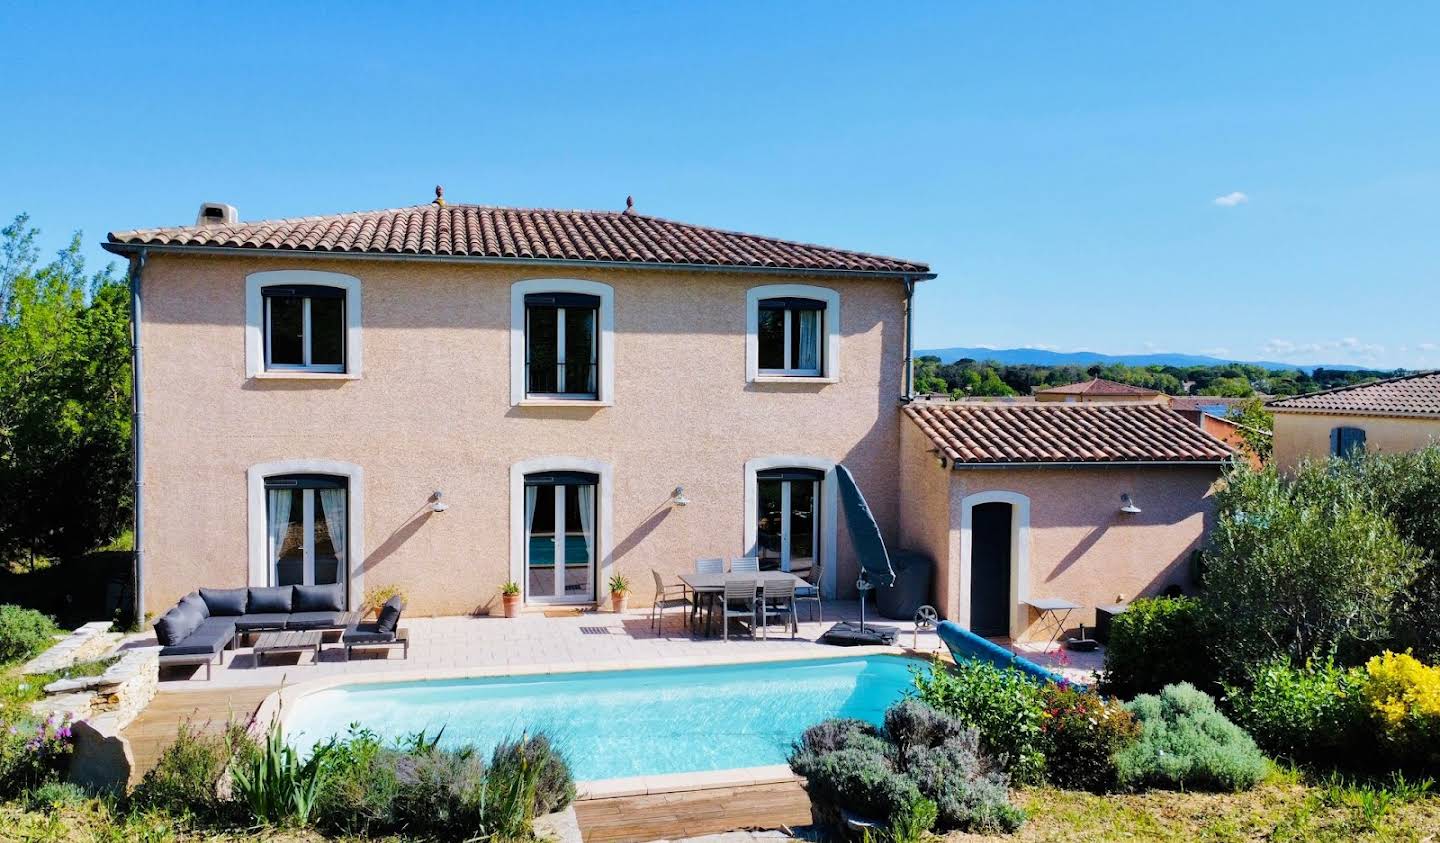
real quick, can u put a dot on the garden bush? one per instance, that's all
(1157, 642)
(554, 786)
(923, 767)
(1002, 703)
(1186, 744)
(184, 780)
(274, 784)
(1313, 714)
(24, 633)
(32, 753)
(1080, 736)
(1403, 697)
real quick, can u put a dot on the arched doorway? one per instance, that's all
(990, 555)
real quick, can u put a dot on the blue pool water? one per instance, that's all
(623, 723)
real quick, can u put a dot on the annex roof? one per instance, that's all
(1097, 386)
(1407, 395)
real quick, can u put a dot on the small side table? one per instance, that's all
(1054, 612)
(289, 641)
(1104, 614)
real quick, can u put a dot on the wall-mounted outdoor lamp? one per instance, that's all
(438, 505)
(1127, 505)
(678, 498)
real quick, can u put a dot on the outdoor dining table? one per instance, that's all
(714, 584)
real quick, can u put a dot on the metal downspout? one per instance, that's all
(137, 438)
(909, 341)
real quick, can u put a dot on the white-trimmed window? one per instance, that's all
(561, 342)
(302, 323)
(793, 332)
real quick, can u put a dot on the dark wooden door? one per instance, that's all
(990, 569)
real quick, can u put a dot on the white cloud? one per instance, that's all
(1343, 350)
(1428, 346)
(1231, 199)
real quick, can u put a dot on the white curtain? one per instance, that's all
(280, 500)
(585, 496)
(809, 339)
(530, 493)
(332, 502)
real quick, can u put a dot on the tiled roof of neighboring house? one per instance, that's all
(517, 234)
(1208, 402)
(1097, 386)
(1000, 434)
(1407, 395)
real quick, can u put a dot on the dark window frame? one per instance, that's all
(306, 294)
(789, 306)
(561, 303)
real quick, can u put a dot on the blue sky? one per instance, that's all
(1059, 164)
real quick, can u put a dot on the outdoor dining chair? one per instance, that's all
(709, 565)
(667, 597)
(745, 565)
(742, 593)
(777, 599)
(810, 592)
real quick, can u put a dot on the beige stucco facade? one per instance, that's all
(1301, 435)
(1070, 540)
(432, 410)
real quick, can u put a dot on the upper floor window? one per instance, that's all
(793, 331)
(562, 349)
(302, 323)
(790, 337)
(304, 328)
(562, 342)
(1347, 442)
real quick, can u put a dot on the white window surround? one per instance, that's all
(606, 392)
(259, 575)
(255, 322)
(829, 509)
(1019, 555)
(830, 358)
(604, 502)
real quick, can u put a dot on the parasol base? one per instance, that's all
(851, 634)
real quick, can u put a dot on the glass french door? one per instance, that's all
(560, 537)
(788, 530)
(307, 525)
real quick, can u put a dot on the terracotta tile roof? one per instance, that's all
(1407, 395)
(482, 232)
(1001, 434)
(1200, 402)
(1097, 386)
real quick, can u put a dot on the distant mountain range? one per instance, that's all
(1042, 357)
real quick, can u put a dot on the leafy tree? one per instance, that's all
(1257, 426)
(64, 401)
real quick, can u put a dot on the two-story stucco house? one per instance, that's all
(450, 397)
(1396, 414)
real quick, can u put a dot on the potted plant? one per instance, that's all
(619, 593)
(510, 596)
(376, 595)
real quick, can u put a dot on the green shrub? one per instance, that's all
(1157, 642)
(1081, 734)
(1313, 714)
(24, 633)
(914, 824)
(1002, 703)
(184, 780)
(1402, 696)
(32, 753)
(358, 799)
(554, 786)
(56, 794)
(1186, 744)
(274, 785)
(862, 782)
(1303, 568)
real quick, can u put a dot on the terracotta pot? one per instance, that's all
(619, 600)
(512, 605)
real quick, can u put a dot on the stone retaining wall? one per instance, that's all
(87, 643)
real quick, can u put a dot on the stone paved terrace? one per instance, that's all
(558, 641)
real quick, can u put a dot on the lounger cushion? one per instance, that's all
(175, 624)
(366, 633)
(273, 620)
(316, 620)
(318, 598)
(390, 614)
(225, 602)
(274, 600)
(209, 638)
(193, 602)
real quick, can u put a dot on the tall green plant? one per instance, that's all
(275, 785)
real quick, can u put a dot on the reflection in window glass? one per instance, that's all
(327, 330)
(772, 339)
(287, 331)
(542, 338)
(579, 351)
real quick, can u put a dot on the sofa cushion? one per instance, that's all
(389, 614)
(274, 620)
(174, 625)
(225, 602)
(366, 633)
(318, 598)
(209, 638)
(264, 601)
(193, 602)
(315, 620)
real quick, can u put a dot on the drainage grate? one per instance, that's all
(595, 630)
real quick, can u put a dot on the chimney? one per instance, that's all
(216, 214)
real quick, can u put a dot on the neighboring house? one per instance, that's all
(1397, 414)
(451, 397)
(1096, 503)
(1215, 405)
(1099, 389)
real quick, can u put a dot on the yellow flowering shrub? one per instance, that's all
(1403, 695)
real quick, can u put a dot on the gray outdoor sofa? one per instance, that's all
(199, 628)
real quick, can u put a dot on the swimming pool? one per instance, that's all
(623, 723)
